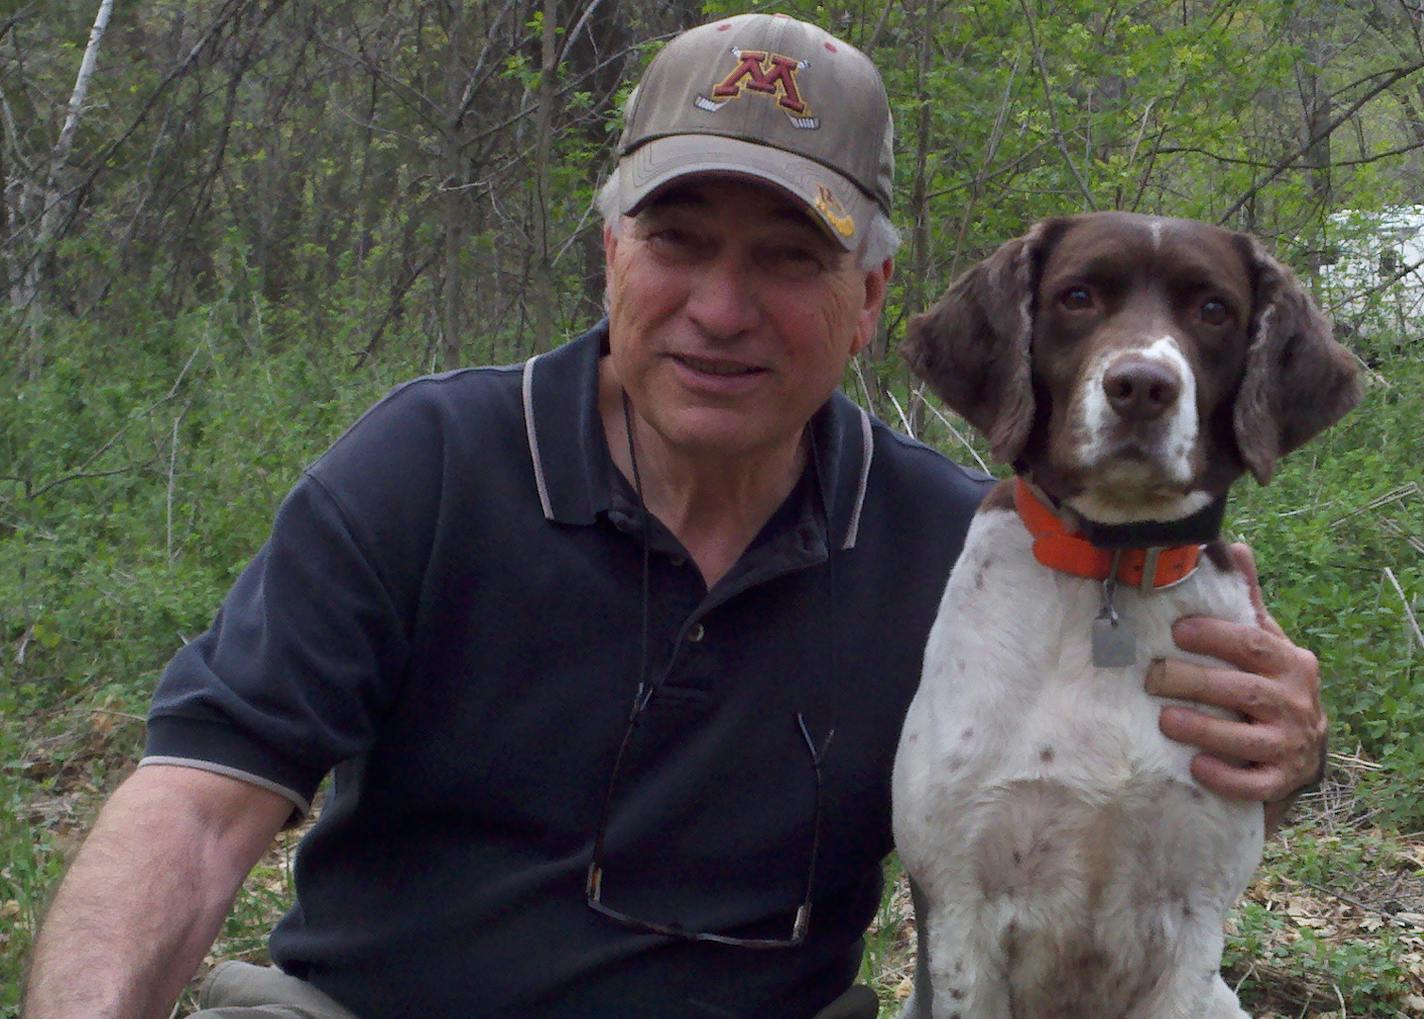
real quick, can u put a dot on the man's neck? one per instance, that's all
(713, 505)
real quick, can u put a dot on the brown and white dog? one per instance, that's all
(1064, 861)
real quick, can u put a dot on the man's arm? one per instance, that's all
(1275, 687)
(148, 892)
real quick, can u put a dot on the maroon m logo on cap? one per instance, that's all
(768, 73)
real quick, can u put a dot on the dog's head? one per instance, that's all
(1135, 365)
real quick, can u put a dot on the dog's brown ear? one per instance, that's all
(1298, 380)
(973, 346)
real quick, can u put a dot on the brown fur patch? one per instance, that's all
(1000, 497)
(1220, 558)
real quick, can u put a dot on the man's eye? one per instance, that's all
(1076, 299)
(793, 261)
(670, 237)
(674, 242)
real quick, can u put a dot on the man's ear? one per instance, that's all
(877, 285)
(973, 346)
(1298, 379)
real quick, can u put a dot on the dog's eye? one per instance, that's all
(1214, 312)
(1076, 299)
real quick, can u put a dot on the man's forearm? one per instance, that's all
(139, 907)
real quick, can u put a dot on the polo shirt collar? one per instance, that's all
(570, 458)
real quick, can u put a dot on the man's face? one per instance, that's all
(732, 315)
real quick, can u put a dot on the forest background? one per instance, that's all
(230, 225)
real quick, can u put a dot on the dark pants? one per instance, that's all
(239, 990)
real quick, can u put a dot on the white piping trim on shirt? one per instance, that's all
(539, 481)
(237, 773)
(867, 451)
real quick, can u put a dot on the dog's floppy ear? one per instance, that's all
(973, 346)
(1298, 379)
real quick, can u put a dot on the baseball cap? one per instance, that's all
(769, 97)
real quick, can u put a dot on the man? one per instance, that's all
(609, 651)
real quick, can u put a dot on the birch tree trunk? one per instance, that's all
(48, 203)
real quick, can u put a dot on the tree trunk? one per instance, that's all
(51, 202)
(541, 299)
(450, 317)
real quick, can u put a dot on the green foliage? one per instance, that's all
(1335, 517)
(255, 251)
(1300, 946)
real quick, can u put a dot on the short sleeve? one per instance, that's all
(306, 653)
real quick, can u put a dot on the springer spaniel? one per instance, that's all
(1064, 861)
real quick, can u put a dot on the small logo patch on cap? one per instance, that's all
(834, 213)
(763, 73)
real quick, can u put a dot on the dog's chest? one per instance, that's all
(1011, 658)
(1030, 783)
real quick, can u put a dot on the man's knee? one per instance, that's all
(240, 990)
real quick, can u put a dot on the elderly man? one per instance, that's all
(608, 651)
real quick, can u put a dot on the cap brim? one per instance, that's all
(841, 208)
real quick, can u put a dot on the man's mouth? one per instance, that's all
(710, 367)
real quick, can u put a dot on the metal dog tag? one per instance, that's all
(1114, 644)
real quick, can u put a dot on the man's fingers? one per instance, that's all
(1249, 742)
(1246, 693)
(1240, 760)
(1262, 785)
(1249, 648)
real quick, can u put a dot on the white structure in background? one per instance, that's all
(1376, 280)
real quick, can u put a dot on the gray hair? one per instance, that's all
(880, 242)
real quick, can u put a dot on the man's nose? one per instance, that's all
(723, 299)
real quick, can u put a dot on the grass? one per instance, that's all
(1332, 926)
(100, 578)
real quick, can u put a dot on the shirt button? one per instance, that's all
(678, 560)
(696, 634)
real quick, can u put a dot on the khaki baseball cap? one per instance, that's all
(770, 97)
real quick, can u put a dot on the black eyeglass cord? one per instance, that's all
(644, 692)
(593, 886)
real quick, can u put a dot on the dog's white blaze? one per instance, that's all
(1182, 424)
(1170, 441)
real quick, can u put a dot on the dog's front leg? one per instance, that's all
(1195, 992)
(954, 979)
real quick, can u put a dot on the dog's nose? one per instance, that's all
(1141, 389)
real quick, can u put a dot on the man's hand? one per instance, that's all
(1279, 745)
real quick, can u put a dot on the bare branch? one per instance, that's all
(1052, 110)
(1285, 164)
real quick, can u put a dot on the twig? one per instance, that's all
(82, 471)
(1393, 527)
(901, 411)
(1397, 74)
(1408, 609)
(1052, 110)
(1357, 903)
(958, 435)
(24, 644)
(172, 469)
(118, 714)
(1394, 495)
(865, 387)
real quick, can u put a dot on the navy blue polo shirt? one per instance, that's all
(447, 613)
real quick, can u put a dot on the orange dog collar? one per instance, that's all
(1058, 548)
